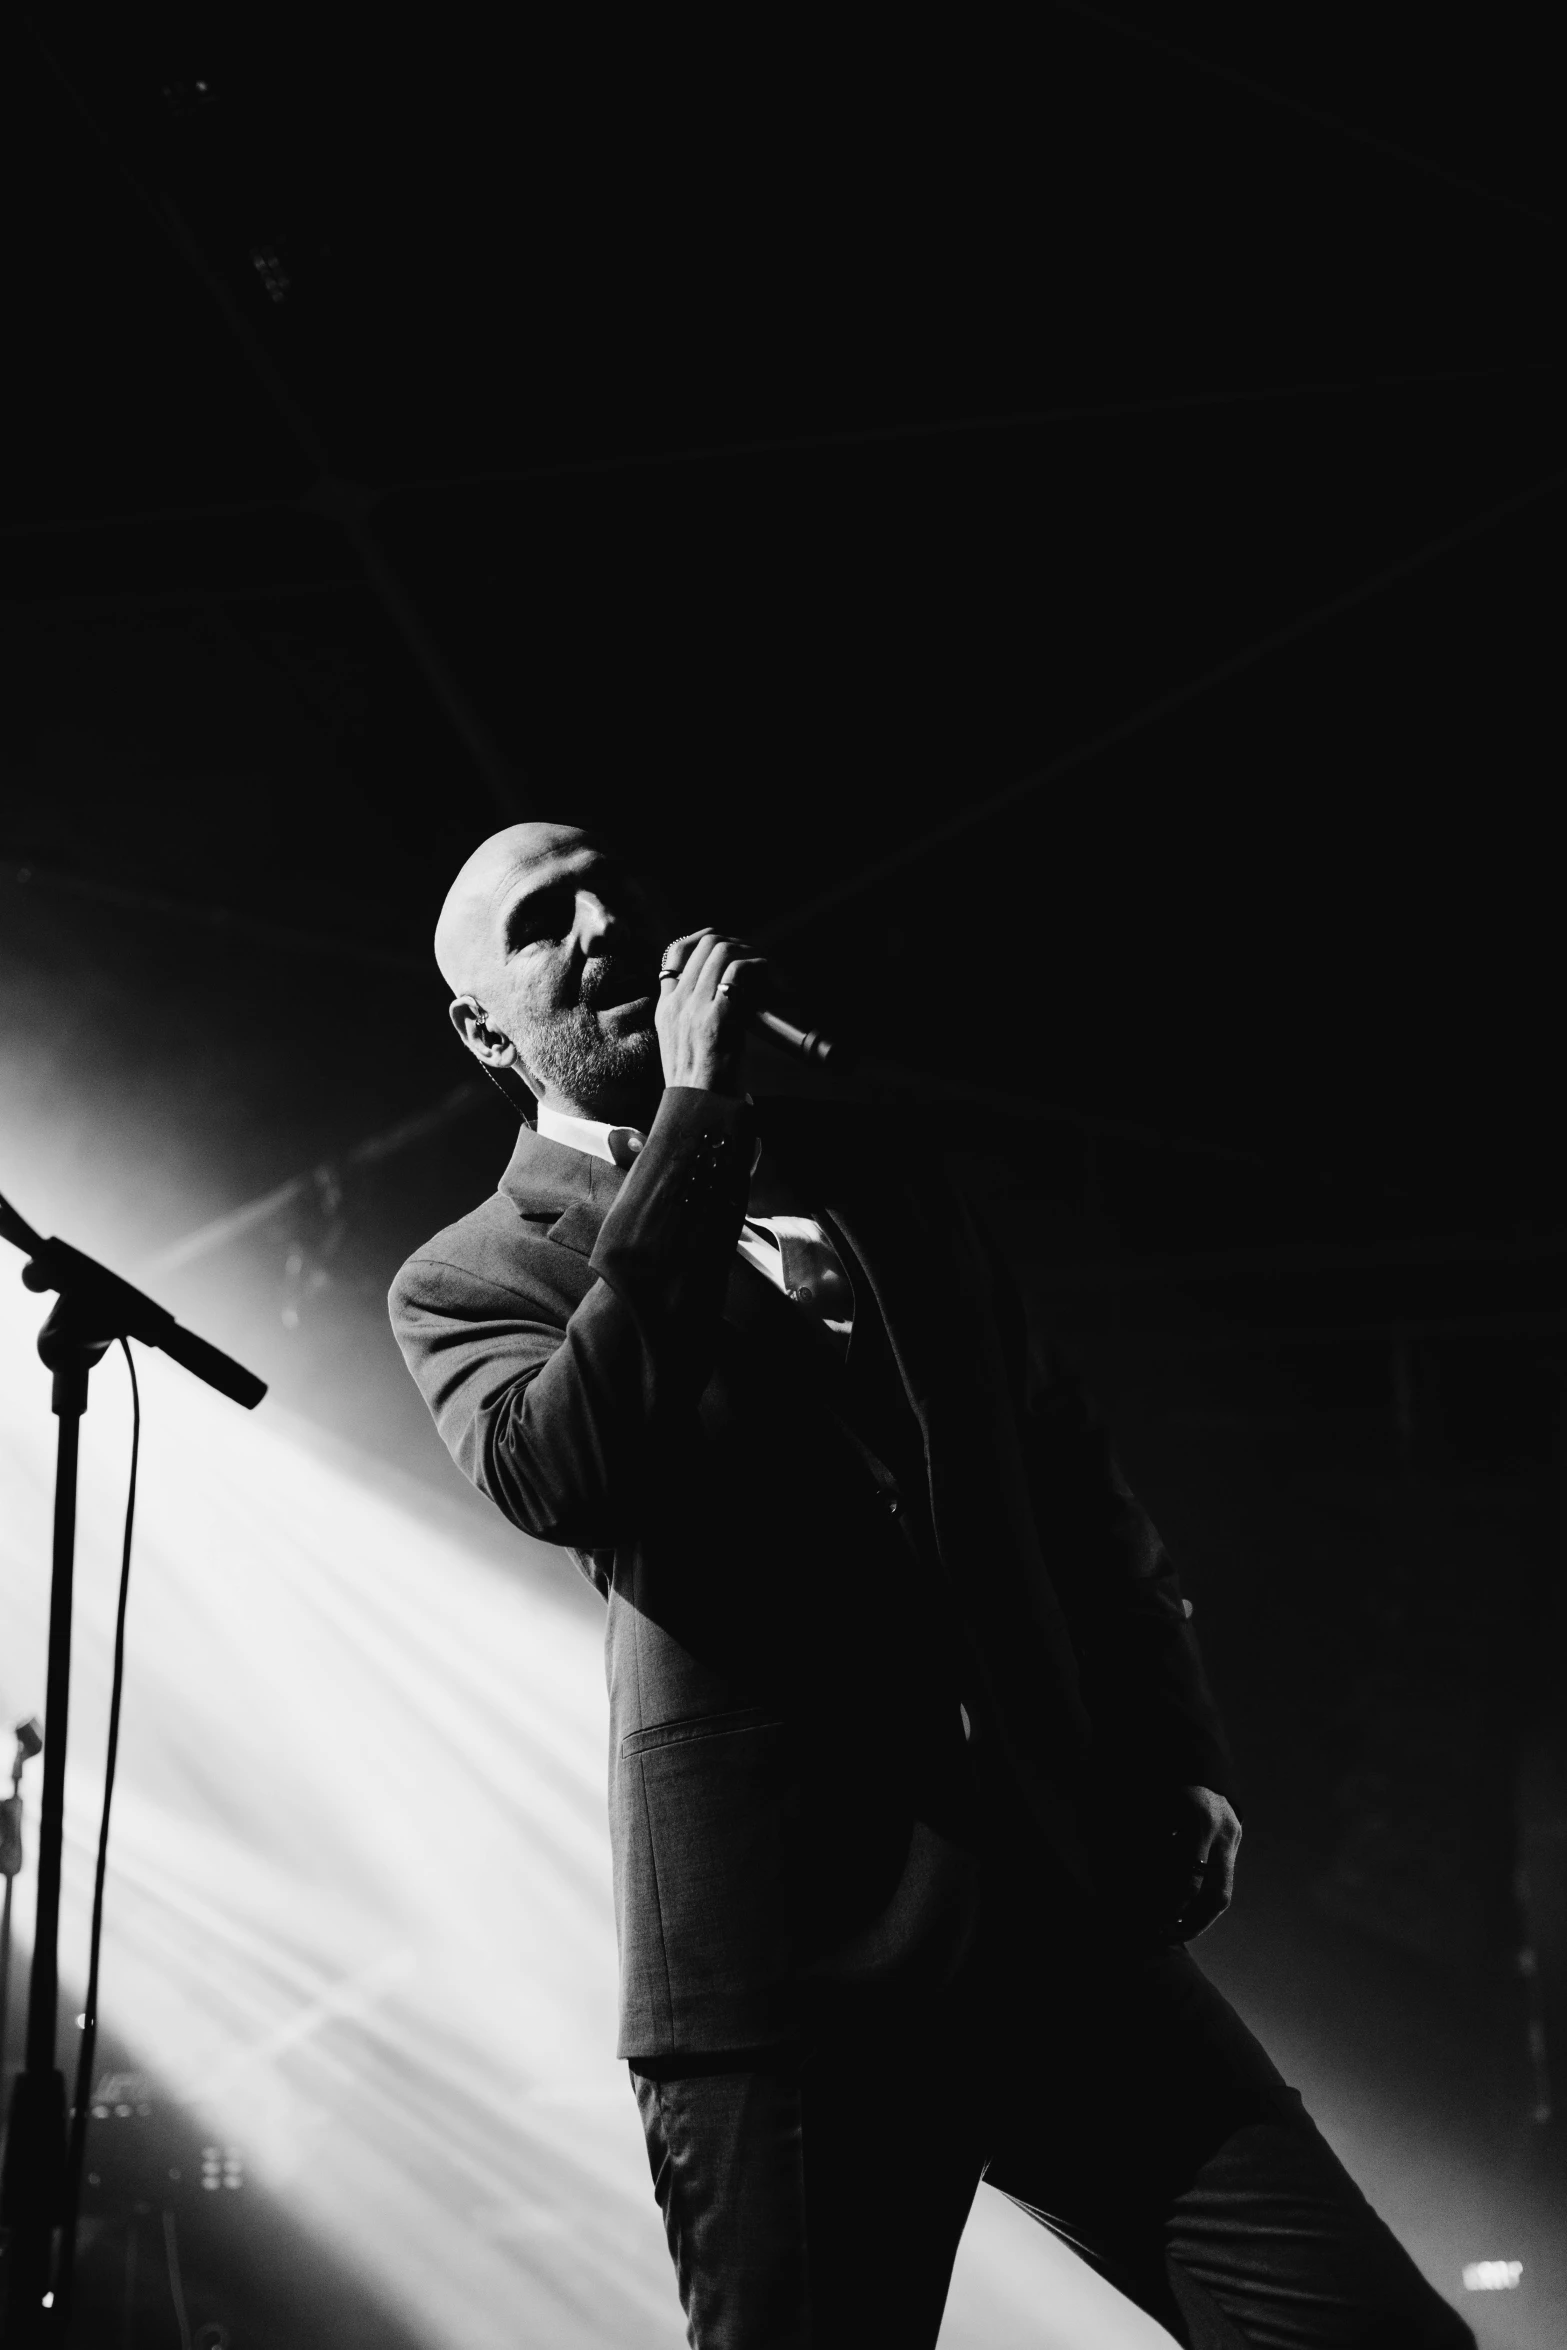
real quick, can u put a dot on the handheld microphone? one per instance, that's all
(803, 1044)
(807, 1044)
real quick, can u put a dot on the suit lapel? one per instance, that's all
(577, 1227)
(571, 1187)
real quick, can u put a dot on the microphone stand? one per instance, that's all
(93, 1308)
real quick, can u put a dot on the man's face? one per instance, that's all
(571, 977)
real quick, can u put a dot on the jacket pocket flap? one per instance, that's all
(694, 1726)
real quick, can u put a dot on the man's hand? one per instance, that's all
(1204, 1840)
(1170, 1875)
(704, 985)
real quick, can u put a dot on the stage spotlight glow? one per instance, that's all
(358, 1911)
(1492, 2276)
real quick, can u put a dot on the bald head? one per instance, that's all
(545, 943)
(470, 934)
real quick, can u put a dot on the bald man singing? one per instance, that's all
(916, 1787)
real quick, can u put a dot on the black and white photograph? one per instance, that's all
(783, 1200)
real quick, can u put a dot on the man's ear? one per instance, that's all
(486, 1044)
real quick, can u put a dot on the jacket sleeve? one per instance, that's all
(1153, 1715)
(563, 1417)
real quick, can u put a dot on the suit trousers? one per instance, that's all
(814, 2195)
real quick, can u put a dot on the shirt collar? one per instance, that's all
(579, 1134)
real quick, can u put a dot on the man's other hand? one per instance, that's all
(1203, 1843)
(1166, 1870)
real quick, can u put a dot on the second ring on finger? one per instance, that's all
(736, 970)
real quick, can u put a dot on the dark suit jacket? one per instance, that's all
(605, 1367)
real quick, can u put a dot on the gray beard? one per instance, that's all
(576, 1060)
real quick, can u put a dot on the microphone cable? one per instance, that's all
(517, 1096)
(77, 2144)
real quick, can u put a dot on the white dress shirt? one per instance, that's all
(792, 1251)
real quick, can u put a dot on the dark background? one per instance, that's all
(1057, 529)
